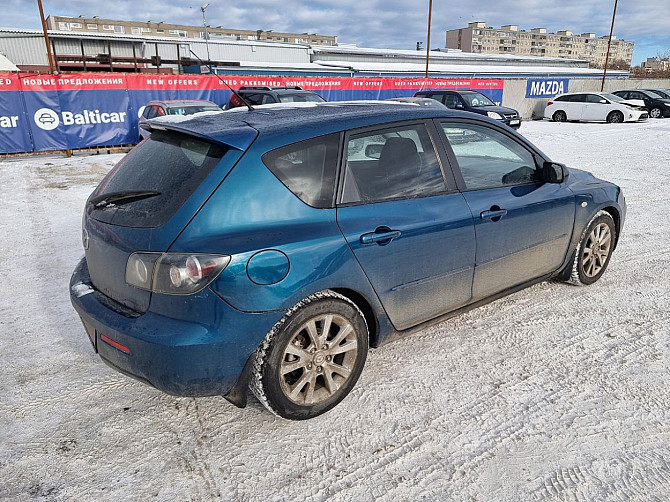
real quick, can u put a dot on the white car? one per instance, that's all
(594, 106)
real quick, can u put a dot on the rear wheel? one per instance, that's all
(615, 117)
(559, 116)
(312, 358)
(656, 113)
(594, 250)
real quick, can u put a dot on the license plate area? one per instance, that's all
(513, 122)
(92, 335)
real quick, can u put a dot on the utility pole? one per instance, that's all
(204, 25)
(46, 37)
(430, 13)
(609, 43)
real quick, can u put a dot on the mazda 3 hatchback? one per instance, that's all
(269, 249)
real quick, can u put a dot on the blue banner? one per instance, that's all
(14, 129)
(546, 87)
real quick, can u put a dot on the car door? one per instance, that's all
(574, 105)
(522, 225)
(595, 107)
(411, 231)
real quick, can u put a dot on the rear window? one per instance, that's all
(169, 163)
(307, 168)
(300, 98)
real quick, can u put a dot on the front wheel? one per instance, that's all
(615, 117)
(312, 358)
(656, 113)
(594, 250)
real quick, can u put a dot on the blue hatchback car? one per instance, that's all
(270, 248)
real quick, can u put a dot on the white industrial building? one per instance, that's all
(136, 53)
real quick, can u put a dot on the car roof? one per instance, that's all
(299, 120)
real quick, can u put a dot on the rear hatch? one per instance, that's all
(148, 198)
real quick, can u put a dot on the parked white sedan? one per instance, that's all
(594, 106)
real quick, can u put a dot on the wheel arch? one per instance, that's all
(368, 312)
(616, 216)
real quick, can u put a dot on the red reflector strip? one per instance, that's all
(114, 344)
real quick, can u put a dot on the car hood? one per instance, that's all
(497, 109)
(633, 102)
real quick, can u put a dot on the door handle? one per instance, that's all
(493, 214)
(381, 236)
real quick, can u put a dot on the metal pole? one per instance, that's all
(204, 25)
(430, 14)
(46, 36)
(609, 43)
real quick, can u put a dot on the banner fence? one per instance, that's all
(63, 112)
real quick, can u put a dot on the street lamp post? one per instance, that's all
(204, 25)
(430, 13)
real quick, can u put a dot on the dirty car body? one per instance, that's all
(398, 216)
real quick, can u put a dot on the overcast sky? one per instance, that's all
(397, 24)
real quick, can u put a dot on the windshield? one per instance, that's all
(191, 109)
(153, 180)
(660, 93)
(654, 95)
(612, 97)
(300, 98)
(476, 99)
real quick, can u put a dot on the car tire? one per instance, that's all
(615, 117)
(656, 113)
(593, 253)
(311, 359)
(559, 116)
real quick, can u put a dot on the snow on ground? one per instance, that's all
(553, 393)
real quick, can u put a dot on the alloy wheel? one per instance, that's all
(596, 250)
(655, 113)
(318, 359)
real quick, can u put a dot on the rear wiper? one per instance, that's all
(114, 198)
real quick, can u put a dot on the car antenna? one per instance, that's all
(251, 108)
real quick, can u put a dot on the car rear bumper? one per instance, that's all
(195, 345)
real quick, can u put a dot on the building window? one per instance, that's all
(92, 26)
(64, 26)
(135, 31)
(146, 30)
(179, 33)
(160, 30)
(119, 29)
(108, 27)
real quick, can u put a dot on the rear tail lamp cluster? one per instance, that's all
(172, 273)
(550, 103)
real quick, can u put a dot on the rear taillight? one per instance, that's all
(550, 103)
(172, 273)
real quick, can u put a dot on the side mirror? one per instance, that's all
(374, 150)
(459, 106)
(603, 101)
(553, 172)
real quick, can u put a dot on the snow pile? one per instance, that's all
(553, 393)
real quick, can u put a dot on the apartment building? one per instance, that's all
(508, 39)
(162, 29)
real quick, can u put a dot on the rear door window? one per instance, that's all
(168, 163)
(391, 163)
(307, 168)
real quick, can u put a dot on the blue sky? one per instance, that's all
(379, 23)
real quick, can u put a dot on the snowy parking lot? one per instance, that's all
(553, 393)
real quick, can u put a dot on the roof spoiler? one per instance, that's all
(239, 135)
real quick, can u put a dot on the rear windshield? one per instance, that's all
(171, 164)
(191, 109)
(300, 98)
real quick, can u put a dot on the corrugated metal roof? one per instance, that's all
(442, 54)
(464, 69)
(148, 39)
